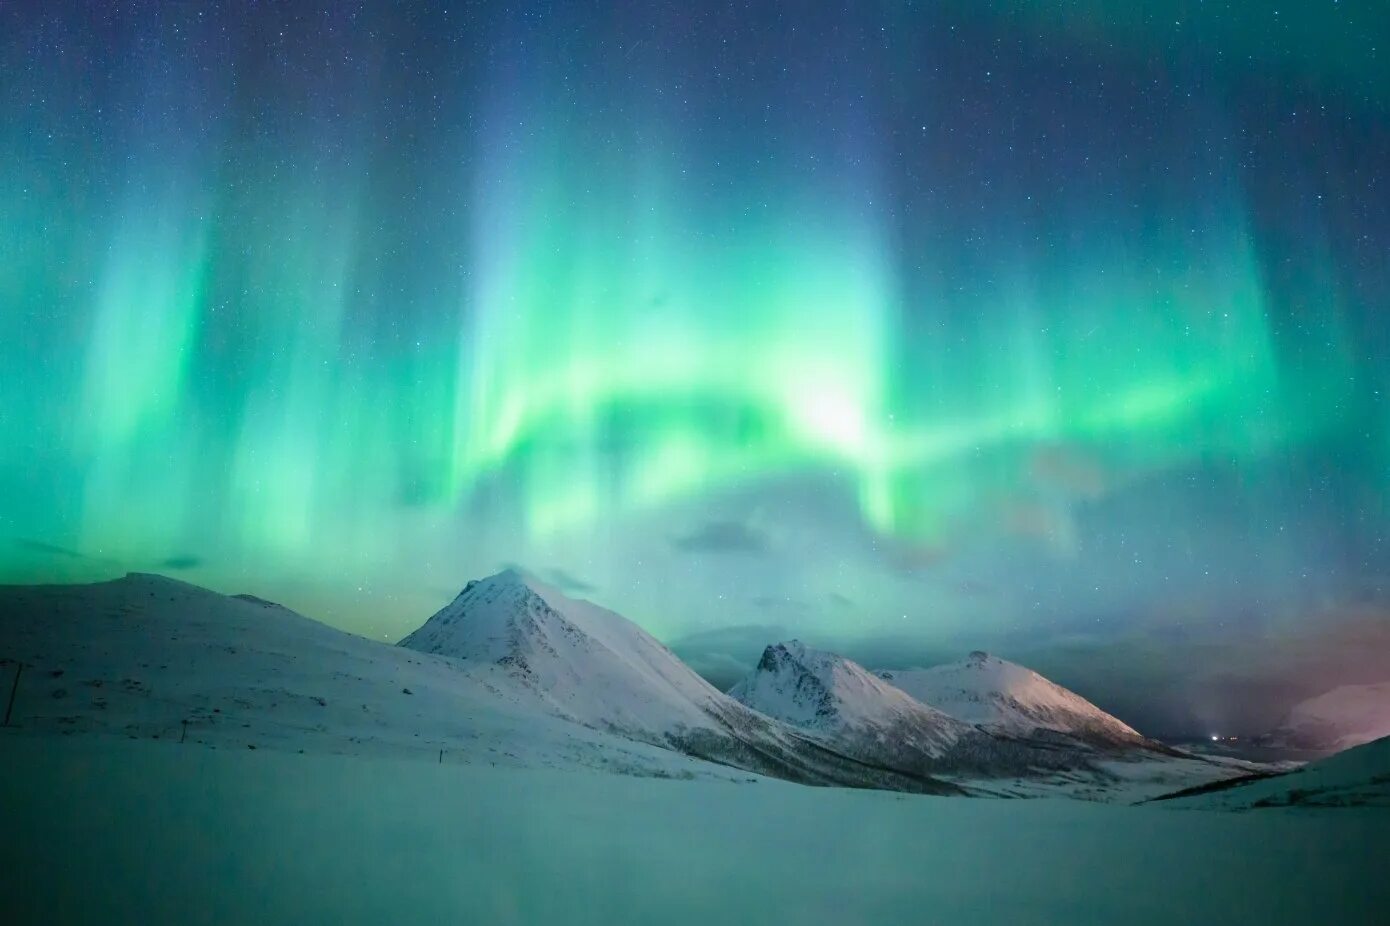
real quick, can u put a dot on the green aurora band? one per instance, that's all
(344, 334)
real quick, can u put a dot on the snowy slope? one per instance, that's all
(1006, 698)
(1357, 777)
(597, 668)
(839, 698)
(150, 657)
(1339, 719)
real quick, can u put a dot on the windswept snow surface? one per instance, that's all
(1008, 698)
(1358, 777)
(1338, 719)
(1126, 778)
(107, 832)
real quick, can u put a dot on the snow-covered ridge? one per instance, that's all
(819, 690)
(1004, 697)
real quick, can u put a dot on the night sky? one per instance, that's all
(1055, 329)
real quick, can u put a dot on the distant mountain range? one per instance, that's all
(978, 723)
(513, 672)
(599, 669)
(1335, 720)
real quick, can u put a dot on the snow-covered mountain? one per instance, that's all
(511, 673)
(856, 712)
(842, 700)
(590, 664)
(1006, 698)
(1335, 720)
(595, 667)
(995, 728)
(150, 657)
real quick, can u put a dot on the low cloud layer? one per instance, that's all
(723, 537)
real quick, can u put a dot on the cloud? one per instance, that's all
(51, 549)
(778, 603)
(725, 655)
(893, 651)
(1206, 675)
(182, 561)
(719, 669)
(746, 638)
(566, 582)
(911, 559)
(973, 588)
(179, 561)
(38, 546)
(1047, 523)
(723, 537)
(1069, 471)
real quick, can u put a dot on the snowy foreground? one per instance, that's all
(179, 756)
(106, 830)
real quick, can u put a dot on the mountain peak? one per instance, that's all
(590, 663)
(508, 577)
(1003, 696)
(814, 688)
(511, 584)
(501, 616)
(775, 655)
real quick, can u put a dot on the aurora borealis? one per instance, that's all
(919, 327)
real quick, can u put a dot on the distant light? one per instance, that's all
(1214, 737)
